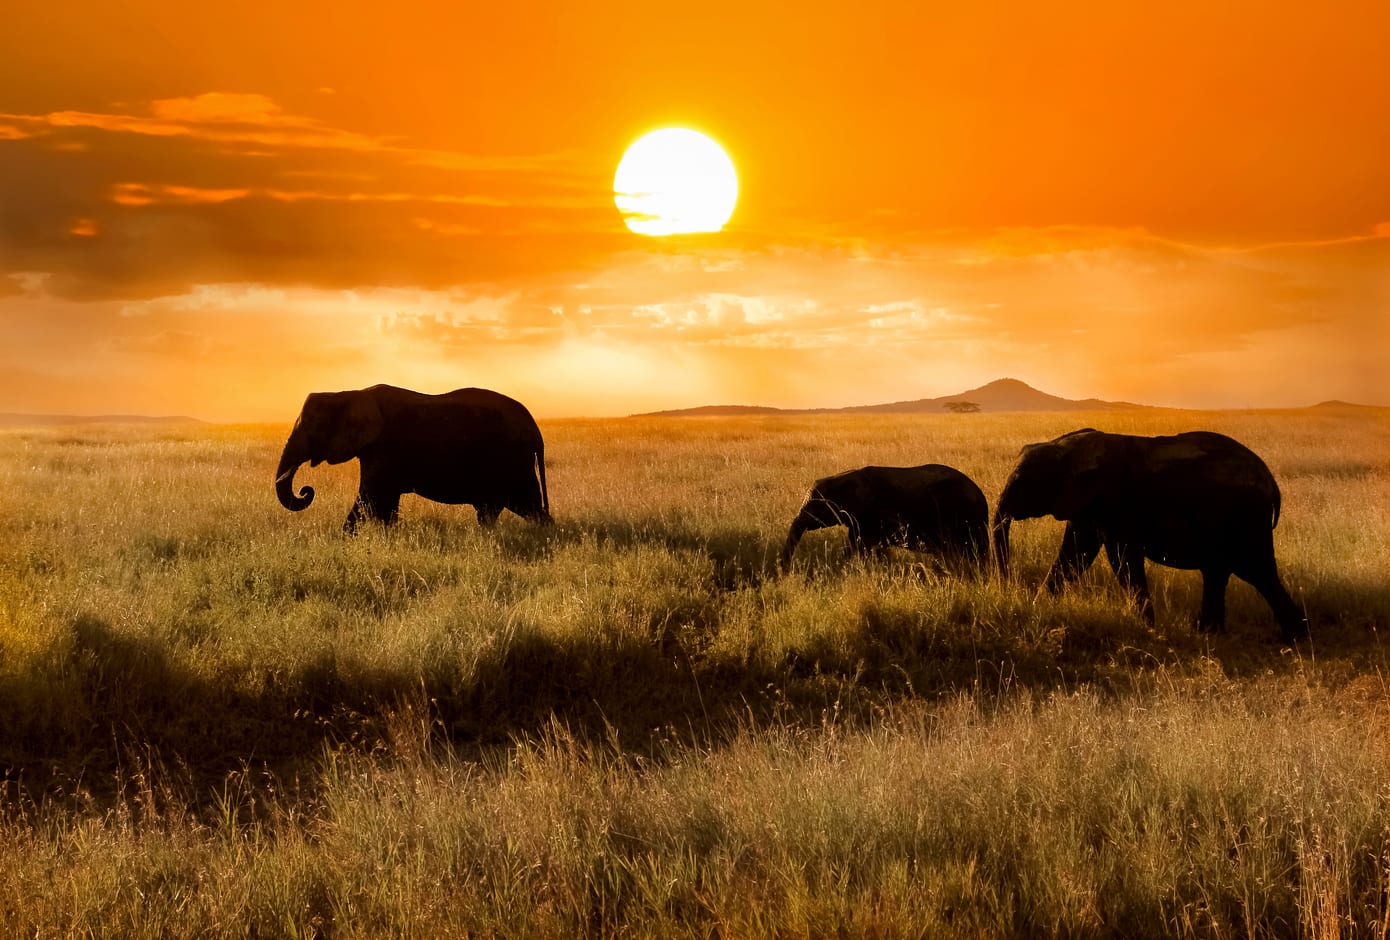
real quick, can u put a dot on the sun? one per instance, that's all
(674, 181)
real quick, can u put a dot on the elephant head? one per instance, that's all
(333, 427)
(1059, 478)
(832, 501)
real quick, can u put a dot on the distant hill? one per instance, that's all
(11, 420)
(999, 395)
(1339, 405)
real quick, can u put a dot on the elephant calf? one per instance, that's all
(931, 508)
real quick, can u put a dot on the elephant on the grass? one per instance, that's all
(1198, 500)
(470, 445)
(931, 508)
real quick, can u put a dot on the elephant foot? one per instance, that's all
(1211, 616)
(1293, 632)
(1293, 625)
(1146, 609)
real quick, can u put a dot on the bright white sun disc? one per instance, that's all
(674, 181)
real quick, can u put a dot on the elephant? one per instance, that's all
(1198, 500)
(931, 508)
(471, 445)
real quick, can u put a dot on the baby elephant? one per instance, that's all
(931, 508)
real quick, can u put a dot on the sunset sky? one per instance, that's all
(215, 210)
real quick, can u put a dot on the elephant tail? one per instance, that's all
(1278, 500)
(540, 465)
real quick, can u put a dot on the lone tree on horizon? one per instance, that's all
(961, 407)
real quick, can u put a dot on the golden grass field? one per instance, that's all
(218, 718)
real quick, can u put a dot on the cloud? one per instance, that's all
(232, 187)
(145, 194)
(148, 194)
(1141, 301)
(224, 108)
(218, 116)
(210, 241)
(231, 118)
(1128, 317)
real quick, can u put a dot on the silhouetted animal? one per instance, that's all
(470, 446)
(1196, 500)
(931, 508)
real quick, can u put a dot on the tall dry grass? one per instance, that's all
(220, 718)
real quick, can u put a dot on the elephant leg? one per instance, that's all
(971, 545)
(355, 515)
(1127, 561)
(386, 507)
(1212, 618)
(381, 506)
(526, 502)
(1263, 576)
(856, 544)
(881, 536)
(529, 508)
(1079, 547)
(536, 515)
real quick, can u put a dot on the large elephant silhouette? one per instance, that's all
(470, 445)
(932, 508)
(1198, 500)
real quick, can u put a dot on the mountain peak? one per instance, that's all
(1007, 394)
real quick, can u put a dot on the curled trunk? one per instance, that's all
(290, 460)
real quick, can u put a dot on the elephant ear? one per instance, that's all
(359, 423)
(1083, 472)
(843, 493)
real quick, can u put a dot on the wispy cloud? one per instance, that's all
(217, 116)
(211, 240)
(258, 120)
(145, 194)
(232, 187)
(1127, 317)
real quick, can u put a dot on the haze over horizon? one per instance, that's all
(1000, 395)
(213, 215)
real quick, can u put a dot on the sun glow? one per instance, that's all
(675, 181)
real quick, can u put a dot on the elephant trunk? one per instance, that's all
(290, 460)
(789, 549)
(805, 521)
(1000, 535)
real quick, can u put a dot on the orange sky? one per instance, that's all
(213, 212)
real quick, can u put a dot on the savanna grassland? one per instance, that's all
(218, 718)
